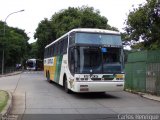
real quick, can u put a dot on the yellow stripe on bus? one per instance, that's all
(53, 68)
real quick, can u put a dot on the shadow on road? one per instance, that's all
(95, 95)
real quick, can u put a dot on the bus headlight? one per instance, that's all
(82, 79)
(77, 79)
(119, 76)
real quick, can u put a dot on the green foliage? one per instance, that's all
(15, 45)
(3, 99)
(33, 50)
(65, 20)
(144, 22)
(44, 35)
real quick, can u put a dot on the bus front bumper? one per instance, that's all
(98, 86)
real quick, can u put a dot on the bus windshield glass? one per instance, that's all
(97, 38)
(98, 60)
(30, 63)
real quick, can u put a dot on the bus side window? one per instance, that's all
(71, 38)
(52, 50)
(65, 45)
(47, 52)
(56, 49)
(71, 60)
(61, 47)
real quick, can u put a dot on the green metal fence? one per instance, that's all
(143, 71)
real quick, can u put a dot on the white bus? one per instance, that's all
(34, 64)
(86, 60)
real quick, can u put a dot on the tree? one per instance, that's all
(33, 50)
(144, 23)
(15, 45)
(44, 35)
(65, 20)
(84, 17)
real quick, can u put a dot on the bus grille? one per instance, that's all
(95, 78)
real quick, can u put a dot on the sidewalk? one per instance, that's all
(8, 107)
(145, 95)
(12, 73)
(151, 97)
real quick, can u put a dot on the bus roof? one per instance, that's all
(90, 30)
(33, 59)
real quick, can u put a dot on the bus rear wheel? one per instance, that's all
(48, 77)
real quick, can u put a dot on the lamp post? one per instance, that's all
(4, 32)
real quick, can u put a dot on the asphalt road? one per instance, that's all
(32, 94)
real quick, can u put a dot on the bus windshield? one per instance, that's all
(97, 38)
(97, 60)
(30, 63)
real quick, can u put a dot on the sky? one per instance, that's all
(115, 11)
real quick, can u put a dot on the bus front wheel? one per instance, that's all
(66, 86)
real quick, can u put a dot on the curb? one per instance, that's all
(151, 97)
(8, 107)
(10, 74)
(145, 95)
(134, 92)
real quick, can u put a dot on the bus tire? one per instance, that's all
(65, 84)
(46, 74)
(48, 77)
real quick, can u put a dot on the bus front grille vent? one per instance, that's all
(95, 78)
